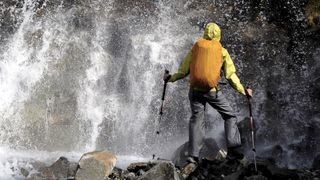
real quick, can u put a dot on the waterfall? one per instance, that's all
(77, 76)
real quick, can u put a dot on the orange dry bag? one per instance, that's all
(206, 64)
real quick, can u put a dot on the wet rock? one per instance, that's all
(36, 176)
(130, 176)
(256, 177)
(141, 172)
(243, 169)
(24, 172)
(276, 154)
(162, 171)
(37, 165)
(72, 170)
(233, 176)
(60, 168)
(279, 173)
(96, 165)
(136, 167)
(209, 150)
(216, 169)
(316, 162)
(117, 173)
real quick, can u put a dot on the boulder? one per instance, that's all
(233, 176)
(209, 150)
(256, 177)
(130, 176)
(135, 167)
(58, 170)
(24, 172)
(277, 154)
(37, 176)
(118, 173)
(72, 170)
(164, 170)
(96, 165)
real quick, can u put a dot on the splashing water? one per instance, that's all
(77, 76)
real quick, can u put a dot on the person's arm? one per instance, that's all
(230, 72)
(184, 68)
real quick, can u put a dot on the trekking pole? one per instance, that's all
(252, 127)
(161, 107)
(162, 100)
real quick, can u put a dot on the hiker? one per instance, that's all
(204, 63)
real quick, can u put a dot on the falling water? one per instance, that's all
(77, 76)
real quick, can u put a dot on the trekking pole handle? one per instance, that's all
(165, 86)
(163, 93)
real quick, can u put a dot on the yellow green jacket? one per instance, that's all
(212, 31)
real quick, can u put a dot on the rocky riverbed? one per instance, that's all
(102, 165)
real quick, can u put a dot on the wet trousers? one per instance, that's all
(217, 100)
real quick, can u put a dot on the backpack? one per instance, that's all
(206, 63)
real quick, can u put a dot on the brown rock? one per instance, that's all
(96, 165)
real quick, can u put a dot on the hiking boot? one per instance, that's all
(190, 167)
(193, 159)
(235, 153)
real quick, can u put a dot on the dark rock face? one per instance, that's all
(316, 163)
(9, 18)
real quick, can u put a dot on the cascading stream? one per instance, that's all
(78, 76)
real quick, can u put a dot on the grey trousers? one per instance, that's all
(217, 100)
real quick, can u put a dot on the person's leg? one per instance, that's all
(220, 103)
(196, 124)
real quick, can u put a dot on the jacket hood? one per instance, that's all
(212, 31)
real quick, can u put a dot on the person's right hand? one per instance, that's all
(249, 92)
(166, 77)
